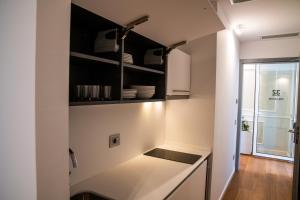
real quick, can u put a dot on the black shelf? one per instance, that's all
(90, 68)
(113, 62)
(85, 103)
(143, 68)
(93, 58)
(90, 103)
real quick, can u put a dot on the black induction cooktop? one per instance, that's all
(173, 155)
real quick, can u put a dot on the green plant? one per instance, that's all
(245, 126)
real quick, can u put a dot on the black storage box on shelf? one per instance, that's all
(106, 41)
(154, 57)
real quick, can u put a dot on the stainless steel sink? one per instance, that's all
(89, 196)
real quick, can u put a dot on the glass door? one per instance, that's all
(275, 109)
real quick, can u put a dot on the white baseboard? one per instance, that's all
(227, 184)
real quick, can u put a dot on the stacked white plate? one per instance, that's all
(144, 91)
(127, 58)
(129, 93)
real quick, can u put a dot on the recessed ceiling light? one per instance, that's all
(239, 29)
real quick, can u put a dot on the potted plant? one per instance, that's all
(246, 138)
(245, 126)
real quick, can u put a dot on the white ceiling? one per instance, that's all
(263, 17)
(171, 21)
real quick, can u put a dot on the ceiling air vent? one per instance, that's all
(239, 1)
(265, 37)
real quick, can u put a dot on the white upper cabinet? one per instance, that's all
(170, 21)
(179, 73)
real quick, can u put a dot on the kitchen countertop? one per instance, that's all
(143, 177)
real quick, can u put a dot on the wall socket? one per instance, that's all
(114, 140)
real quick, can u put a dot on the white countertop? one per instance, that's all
(143, 177)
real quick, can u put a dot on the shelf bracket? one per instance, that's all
(174, 46)
(132, 24)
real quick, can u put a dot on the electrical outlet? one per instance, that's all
(114, 140)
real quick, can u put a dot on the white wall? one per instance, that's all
(271, 48)
(17, 104)
(191, 121)
(141, 127)
(52, 105)
(224, 146)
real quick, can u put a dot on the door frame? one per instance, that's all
(240, 100)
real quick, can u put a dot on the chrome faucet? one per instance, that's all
(73, 159)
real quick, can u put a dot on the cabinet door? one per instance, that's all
(194, 187)
(179, 73)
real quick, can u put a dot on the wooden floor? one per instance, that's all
(261, 179)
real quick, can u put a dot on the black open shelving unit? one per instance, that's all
(89, 68)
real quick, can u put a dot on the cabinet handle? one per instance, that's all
(180, 90)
